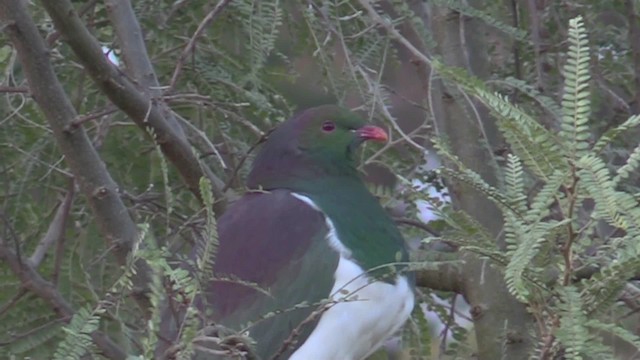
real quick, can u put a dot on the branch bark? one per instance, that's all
(112, 217)
(55, 230)
(33, 282)
(147, 111)
(442, 271)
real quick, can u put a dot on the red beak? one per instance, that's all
(370, 132)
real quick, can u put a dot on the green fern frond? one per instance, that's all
(471, 178)
(156, 259)
(612, 205)
(77, 341)
(632, 164)
(515, 184)
(535, 146)
(528, 240)
(468, 10)
(465, 230)
(467, 176)
(42, 337)
(514, 230)
(572, 332)
(547, 103)
(576, 103)
(612, 133)
(188, 333)
(416, 337)
(615, 330)
(168, 193)
(540, 206)
(604, 287)
(207, 246)
(520, 129)
(261, 22)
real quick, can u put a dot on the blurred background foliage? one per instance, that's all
(256, 64)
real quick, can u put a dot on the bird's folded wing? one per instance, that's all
(278, 243)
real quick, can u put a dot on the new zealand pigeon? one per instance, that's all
(310, 233)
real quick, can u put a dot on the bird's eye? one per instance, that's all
(328, 126)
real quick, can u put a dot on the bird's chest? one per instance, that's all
(364, 312)
(363, 316)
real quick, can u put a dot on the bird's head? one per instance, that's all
(331, 133)
(316, 142)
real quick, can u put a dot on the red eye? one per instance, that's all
(328, 126)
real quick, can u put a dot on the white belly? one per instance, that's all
(366, 316)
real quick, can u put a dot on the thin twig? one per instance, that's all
(417, 224)
(447, 326)
(84, 118)
(14, 300)
(234, 175)
(395, 34)
(44, 289)
(14, 89)
(192, 42)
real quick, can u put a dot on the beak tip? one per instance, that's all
(371, 132)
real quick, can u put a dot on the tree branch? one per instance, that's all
(14, 89)
(146, 111)
(33, 282)
(112, 217)
(55, 230)
(134, 50)
(417, 224)
(135, 56)
(442, 271)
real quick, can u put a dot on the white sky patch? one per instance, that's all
(425, 208)
(460, 316)
(111, 55)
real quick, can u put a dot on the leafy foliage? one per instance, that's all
(78, 339)
(567, 193)
(549, 227)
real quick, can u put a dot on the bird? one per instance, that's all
(327, 265)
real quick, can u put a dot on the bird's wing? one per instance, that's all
(277, 242)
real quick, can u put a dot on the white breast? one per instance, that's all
(366, 315)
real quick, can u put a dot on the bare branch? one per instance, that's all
(33, 282)
(192, 42)
(56, 229)
(417, 224)
(112, 217)
(147, 112)
(84, 118)
(442, 271)
(14, 89)
(11, 302)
